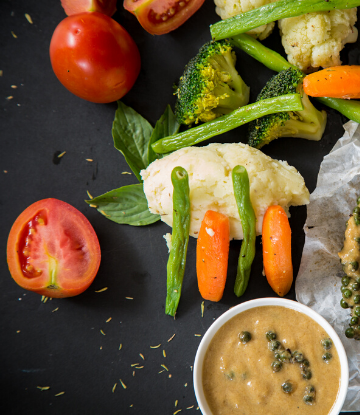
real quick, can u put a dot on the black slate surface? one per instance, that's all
(59, 344)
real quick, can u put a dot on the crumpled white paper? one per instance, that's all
(319, 279)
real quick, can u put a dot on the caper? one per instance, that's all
(298, 357)
(230, 375)
(356, 311)
(358, 200)
(356, 299)
(287, 387)
(354, 265)
(347, 293)
(270, 335)
(304, 364)
(344, 304)
(274, 345)
(276, 366)
(349, 333)
(357, 239)
(326, 357)
(244, 337)
(356, 210)
(285, 356)
(355, 286)
(357, 220)
(343, 288)
(310, 389)
(326, 344)
(306, 373)
(345, 281)
(308, 399)
(354, 321)
(277, 355)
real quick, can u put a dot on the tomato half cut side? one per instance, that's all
(53, 250)
(162, 16)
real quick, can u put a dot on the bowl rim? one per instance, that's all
(261, 302)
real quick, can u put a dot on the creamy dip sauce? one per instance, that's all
(238, 378)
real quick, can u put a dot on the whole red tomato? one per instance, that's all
(53, 250)
(94, 57)
(162, 16)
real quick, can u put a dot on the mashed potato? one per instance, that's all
(272, 182)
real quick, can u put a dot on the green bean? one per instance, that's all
(180, 238)
(241, 187)
(271, 12)
(240, 116)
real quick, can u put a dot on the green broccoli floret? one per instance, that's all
(308, 123)
(210, 85)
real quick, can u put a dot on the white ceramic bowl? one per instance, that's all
(199, 358)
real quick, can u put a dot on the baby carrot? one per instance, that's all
(212, 253)
(334, 82)
(276, 242)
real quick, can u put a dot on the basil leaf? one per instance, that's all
(166, 126)
(126, 205)
(131, 134)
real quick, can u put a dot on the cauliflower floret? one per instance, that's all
(315, 39)
(272, 182)
(230, 8)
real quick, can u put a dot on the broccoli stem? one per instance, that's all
(277, 63)
(271, 12)
(243, 115)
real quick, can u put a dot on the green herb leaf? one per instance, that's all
(131, 134)
(126, 205)
(166, 126)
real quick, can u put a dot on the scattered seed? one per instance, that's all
(45, 299)
(165, 367)
(125, 172)
(133, 372)
(171, 337)
(170, 375)
(202, 309)
(129, 298)
(176, 412)
(102, 333)
(43, 388)
(88, 193)
(62, 154)
(139, 367)
(18, 331)
(28, 18)
(191, 368)
(114, 387)
(134, 364)
(100, 347)
(176, 403)
(5, 171)
(155, 347)
(161, 371)
(109, 319)
(1, 72)
(185, 385)
(104, 213)
(92, 205)
(164, 353)
(60, 393)
(190, 407)
(197, 335)
(142, 356)
(120, 347)
(56, 309)
(89, 160)
(103, 289)
(13, 86)
(123, 384)
(9, 97)
(131, 405)
(13, 34)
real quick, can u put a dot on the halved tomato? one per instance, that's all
(71, 7)
(53, 250)
(162, 16)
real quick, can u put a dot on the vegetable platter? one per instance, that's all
(112, 349)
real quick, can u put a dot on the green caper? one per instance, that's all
(354, 265)
(306, 373)
(343, 288)
(356, 210)
(326, 344)
(326, 357)
(230, 375)
(287, 387)
(344, 304)
(356, 220)
(345, 281)
(354, 321)
(357, 239)
(298, 357)
(356, 299)
(270, 335)
(310, 389)
(308, 399)
(244, 337)
(276, 366)
(356, 311)
(285, 356)
(358, 200)
(349, 333)
(277, 355)
(355, 286)
(347, 293)
(305, 363)
(274, 345)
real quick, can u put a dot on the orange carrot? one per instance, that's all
(276, 242)
(334, 82)
(212, 253)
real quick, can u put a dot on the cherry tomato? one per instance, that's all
(94, 57)
(71, 7)
(53, 250)
(162, 16)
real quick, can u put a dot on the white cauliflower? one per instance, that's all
(230, 8)
(272, 182)
(315, 39)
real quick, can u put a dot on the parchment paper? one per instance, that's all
(319, 279)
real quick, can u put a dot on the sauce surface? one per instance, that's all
(238, 378)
